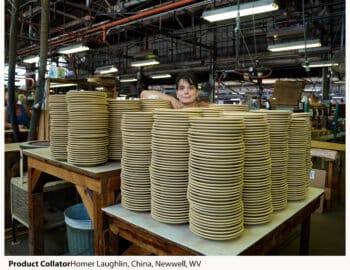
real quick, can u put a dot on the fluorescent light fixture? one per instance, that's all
(294, 45)
(80, 47)
(312, 89)
(58, 85)
(128, 80)
(323, 49)
(269, 81)
(245, 9)
(160, 76)
(320, 64)
(142, 63)
(339, 82)
(31, 59)
(106, 69)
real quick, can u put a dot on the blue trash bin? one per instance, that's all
(80, 230)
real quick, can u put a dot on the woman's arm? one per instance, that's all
(149, 94)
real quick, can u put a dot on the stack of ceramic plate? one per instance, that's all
(148, 105)
(308, 160)
(296, 159)
(87, 127)
(215, 185)
(116, 109)
(279, 121)
(135, 179)
(58, 126)
(211, 112)
(230, 107)
(257, 199)
(169, 165)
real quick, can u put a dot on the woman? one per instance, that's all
(187, 93)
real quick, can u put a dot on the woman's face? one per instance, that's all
(186, 93)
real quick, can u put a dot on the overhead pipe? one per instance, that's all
(166, 13)
(106, 26)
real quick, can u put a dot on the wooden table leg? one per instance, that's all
(11, 170)
(36, 223)
(101, 222)
(35, 213)
(113, 240)
(305, 236)
(339, 177)
(328, 194)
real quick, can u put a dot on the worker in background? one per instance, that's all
(187, 93)
(22, 113)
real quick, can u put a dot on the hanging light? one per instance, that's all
(106, 69)
(128, 80)
(31, 59)
(59, 85)
(294, 45)
(244, 9)
(142, 63)
(80, 47)
(160, 76)
(321, 64)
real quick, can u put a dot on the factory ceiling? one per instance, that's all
(175, 32)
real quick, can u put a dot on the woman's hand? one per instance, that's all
(176, 104)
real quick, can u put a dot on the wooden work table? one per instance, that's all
(12, 169)
(95, 184)
(331, 156)
(23, 134)
(328, 145)
(166, 239)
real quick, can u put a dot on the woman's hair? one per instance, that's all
(189, 77)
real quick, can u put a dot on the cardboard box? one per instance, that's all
(318, 179)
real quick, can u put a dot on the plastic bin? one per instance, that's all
(80, 230)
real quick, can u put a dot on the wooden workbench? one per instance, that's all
(23, 134)
(328, 145)
(96, 185)
(331, 156)
(12, 166)
(165, 239)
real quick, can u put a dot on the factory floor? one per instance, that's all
(327, 237)
(327, 233)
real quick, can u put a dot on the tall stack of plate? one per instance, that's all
(116, 109)
(230, 107)
(169, 165)
(279, 121)
(211, 112)
(296, 159)
(58, 126)
(148, 105)
(87, 127)
(135, 179)
(257, 198)
(215, 185)
(308, 159)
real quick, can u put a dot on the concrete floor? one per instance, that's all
(327, 237)
(327, 233)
